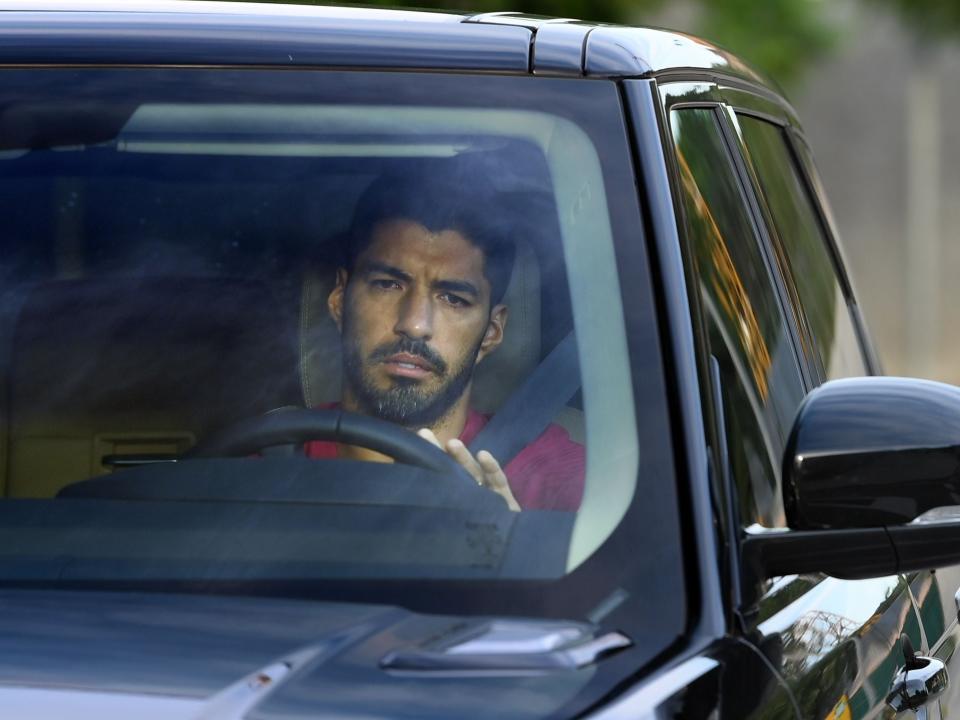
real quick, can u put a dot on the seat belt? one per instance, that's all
(530, 409)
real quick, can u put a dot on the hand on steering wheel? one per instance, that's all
(483, 468)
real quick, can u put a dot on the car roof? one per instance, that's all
(220, 7)
(231, 33)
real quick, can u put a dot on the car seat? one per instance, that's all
(107, 372)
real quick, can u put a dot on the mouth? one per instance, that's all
(408, 365)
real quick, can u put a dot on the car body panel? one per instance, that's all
(179, 38)
(733, 679)
(627, 52)
(216, 7)
(937, 596)
(839, 640)
(672, 691)
(558, 48)
(532, 22)
(192, 653)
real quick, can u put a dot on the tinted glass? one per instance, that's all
(811, 264)
(761, 382)
(189, 250)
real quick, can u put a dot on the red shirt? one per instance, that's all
(546, 475)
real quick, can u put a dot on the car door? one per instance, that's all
(835, 642)
(936, 593)
(783, 168)
(780, 167)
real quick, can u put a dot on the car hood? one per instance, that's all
(105, 655)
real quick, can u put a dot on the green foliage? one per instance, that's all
(780, 37)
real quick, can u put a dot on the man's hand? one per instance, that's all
(483, 468)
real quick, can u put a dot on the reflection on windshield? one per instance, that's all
(296, 340)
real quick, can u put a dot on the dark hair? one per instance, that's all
(438, 201)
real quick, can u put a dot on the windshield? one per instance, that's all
(316, 326)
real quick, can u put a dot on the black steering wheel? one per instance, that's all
(296, 426)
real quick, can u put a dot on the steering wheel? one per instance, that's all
(298, 425)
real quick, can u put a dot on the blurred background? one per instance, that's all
(874, 82)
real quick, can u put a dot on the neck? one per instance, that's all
(448, 427)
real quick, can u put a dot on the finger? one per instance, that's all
(496, 479)
(458, 451)
(427, 434)
(489, 463)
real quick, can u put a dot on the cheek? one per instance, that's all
(363, 320)
(461, 337)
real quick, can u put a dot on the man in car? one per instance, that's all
(418, 305)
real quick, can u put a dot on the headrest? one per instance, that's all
(496, 376)
(195, 351)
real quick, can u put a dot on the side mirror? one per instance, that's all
(869, 452)
(867, 457)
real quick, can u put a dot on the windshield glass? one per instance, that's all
(302, 325)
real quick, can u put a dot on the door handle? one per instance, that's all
(920, 681)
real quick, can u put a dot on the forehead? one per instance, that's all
(409, 246)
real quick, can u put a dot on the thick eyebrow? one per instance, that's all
(457, 286)
(378, 267)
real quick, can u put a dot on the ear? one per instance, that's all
(335, 299)
(494, 332)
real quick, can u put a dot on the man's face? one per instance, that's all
(415, 318)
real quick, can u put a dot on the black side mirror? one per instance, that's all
(867, 457)
(870, 452)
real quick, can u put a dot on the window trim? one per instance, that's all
(708, 419)
(791, 136)
(809, 176)
(808, 356)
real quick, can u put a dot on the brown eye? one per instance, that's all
(384, 284)
(455, 300)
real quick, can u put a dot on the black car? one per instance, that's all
(248, 249)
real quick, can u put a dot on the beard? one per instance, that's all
(406, 401)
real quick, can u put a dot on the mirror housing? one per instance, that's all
(870, 452)
(865, 459)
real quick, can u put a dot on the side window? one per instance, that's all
(760, 378)
(805, 244)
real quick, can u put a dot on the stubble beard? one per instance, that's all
(406, 401)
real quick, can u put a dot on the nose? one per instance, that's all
(415, 318)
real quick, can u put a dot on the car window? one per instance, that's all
(193, 257)
(761, 384)
(812, 267)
